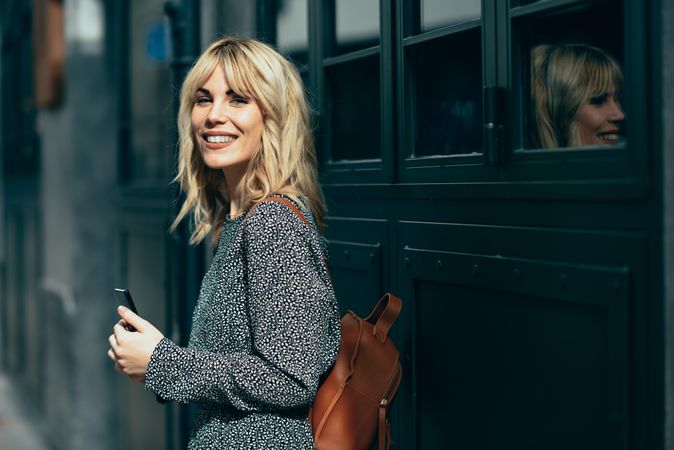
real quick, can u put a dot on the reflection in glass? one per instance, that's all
(356, 24)
(293, 30)
(149, 90)
(438, 13)
(354, 110)
(575, 91)
(448, 100)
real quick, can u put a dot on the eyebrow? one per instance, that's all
(203, 90)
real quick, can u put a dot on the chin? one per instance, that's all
(212, 163)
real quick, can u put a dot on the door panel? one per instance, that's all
(355, 270)
(510, 352)
(358, 249)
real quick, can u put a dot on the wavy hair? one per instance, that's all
(563, 78)
(284, 163)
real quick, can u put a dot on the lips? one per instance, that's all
(609, 137)
(216, 140)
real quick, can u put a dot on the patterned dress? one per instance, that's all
(265, 329)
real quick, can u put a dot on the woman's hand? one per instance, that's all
(131, 351)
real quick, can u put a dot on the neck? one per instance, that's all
(234, 178)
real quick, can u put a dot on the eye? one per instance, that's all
(240, 100)
(202, 99)
(598, 99)
(618, 97)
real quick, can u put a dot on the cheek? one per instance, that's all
(197, 119)
(258, 131)
(253, 118)
(254, 124)
(589, 118)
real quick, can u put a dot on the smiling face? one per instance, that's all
(599, 120)
(228, 126)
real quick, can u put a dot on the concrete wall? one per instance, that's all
(79, 166)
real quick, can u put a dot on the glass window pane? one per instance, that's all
(575, 78)
(354, 110)
(438, 13)
(293, 30)
(448, 95)
(149, 95)
(356, 24)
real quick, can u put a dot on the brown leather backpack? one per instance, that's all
(351, 405)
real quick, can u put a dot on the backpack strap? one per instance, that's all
(384, 430)
(283, 200)
(384, 314)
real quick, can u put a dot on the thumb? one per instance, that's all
(131, 318)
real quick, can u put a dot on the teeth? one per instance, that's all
(220, 139)
(610, 137)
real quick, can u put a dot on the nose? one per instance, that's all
(616, 113)
(218, 113)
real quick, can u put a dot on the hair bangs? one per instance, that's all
(197, 78)
(603, 75)
(240, 72)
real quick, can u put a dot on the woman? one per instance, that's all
(266, 325)
(575, 90)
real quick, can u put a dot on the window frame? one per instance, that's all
(625, 164)
(321, 31)
(502, 167)
(437, 168)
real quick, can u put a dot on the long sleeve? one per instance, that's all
(292, 317)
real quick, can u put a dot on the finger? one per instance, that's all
(112, 355)
(119, 329)
(118, 367)
(130, 318)
(114, 343)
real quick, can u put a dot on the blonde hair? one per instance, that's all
(563, 78)
(284, 163)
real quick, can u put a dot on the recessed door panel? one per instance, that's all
(358, 250)
(503, 356)
(516, 371)
(355, 270)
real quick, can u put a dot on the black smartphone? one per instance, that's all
(124, 299)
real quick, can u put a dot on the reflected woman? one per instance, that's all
(575, 91)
